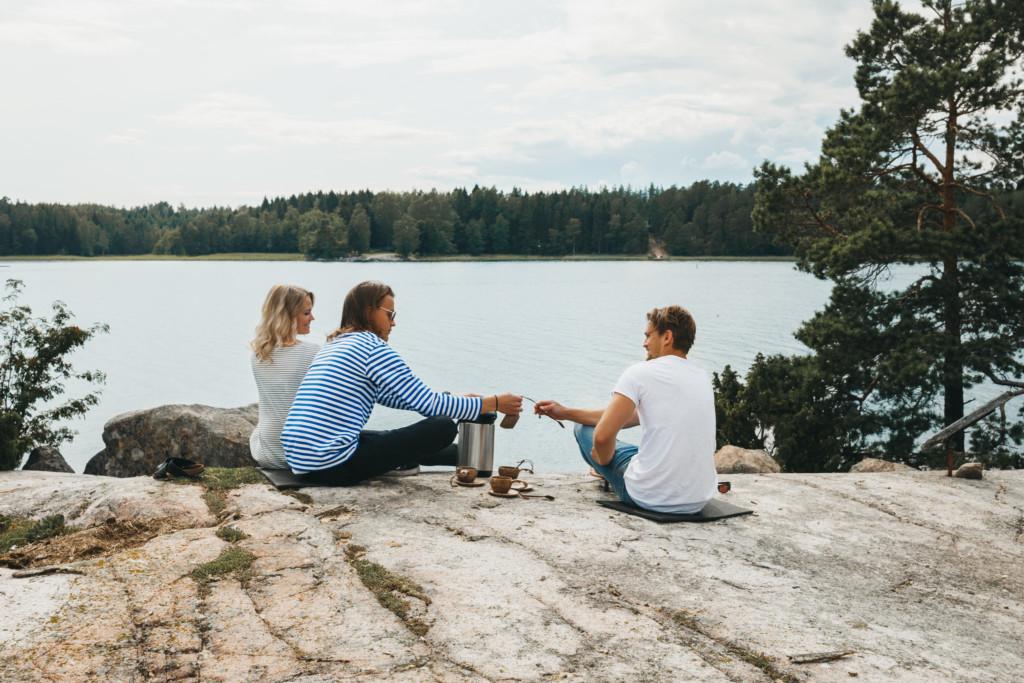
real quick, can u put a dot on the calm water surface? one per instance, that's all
(561, 330)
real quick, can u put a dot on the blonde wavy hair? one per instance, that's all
(278, 323)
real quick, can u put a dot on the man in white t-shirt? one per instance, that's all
(673, 470)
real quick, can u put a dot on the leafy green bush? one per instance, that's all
(34, 366)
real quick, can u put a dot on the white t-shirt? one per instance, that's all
(674, 469)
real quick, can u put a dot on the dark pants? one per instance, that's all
(428, 442)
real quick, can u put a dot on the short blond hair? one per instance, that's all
(278, 323)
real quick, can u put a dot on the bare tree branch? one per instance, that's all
(921, 214)
(987, 195)
(927, 152)
(967, 218)
(1002, 381)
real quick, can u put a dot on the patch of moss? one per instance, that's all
(761, 661)
(389, 588)
(231, 534)
(224, 478)
(216, 501)
(233, 561)
(17, 531)
(753, 657)
(218, 480)
(686, 620)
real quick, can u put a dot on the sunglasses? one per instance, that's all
(391, 314)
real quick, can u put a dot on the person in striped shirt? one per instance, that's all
(279, 362)
(323, 435)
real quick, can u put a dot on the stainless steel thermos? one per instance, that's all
(476, 443)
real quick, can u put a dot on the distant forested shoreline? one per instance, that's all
(705, 219)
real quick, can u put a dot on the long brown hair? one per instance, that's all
(359, 301)
(278, 322)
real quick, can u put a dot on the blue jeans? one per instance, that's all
(615, 471)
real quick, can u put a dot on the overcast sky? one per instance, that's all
(223, 102)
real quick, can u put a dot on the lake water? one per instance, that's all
(563, 330)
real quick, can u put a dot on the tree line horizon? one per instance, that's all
(706, 218)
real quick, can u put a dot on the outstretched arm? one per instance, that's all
(554, 409)
(397, 387)
(584, 416)
(619, 413)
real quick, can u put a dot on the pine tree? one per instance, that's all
(916, 175)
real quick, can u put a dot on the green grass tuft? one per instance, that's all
(389, 588)
(224, 478)
(216, 501)
(218, 480)
(233, 561)
(231, 534)
(17, 531)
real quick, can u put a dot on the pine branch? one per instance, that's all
(988, 195)
(919, 172)
(818, 220)
(869, 390)
(928, 153)
(1002, 381)
(967, 218)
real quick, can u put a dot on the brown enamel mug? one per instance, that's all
(501, 484)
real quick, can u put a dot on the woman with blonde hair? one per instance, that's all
(323, 437)
(279, 362)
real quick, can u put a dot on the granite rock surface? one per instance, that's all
(916, 575)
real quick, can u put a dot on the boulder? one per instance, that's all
(878, 465)
(970, 470)
(250, 412)
(47, 459)
(736, 460)
(138, 441)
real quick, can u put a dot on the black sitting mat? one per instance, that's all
(284, 479)
(715, 509)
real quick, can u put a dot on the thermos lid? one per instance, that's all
(483, 419)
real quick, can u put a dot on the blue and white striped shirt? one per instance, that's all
(334, 400)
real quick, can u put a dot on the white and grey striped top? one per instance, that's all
(277, 381)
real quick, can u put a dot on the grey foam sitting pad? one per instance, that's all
(284, 479)
(715, 509)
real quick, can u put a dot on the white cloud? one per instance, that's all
(632, 173)
(255, 118)
(225, 95)
(128, 136)
(64, 37)
(725, 161)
